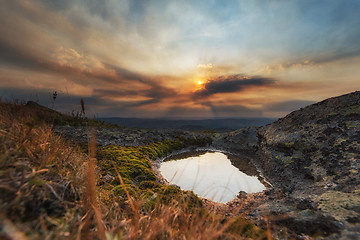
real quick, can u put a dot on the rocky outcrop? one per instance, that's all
(313, 156)
(320, 142)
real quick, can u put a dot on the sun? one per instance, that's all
(198, 84)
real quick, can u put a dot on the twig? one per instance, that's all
(53, 191)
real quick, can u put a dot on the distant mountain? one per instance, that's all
(225, 124)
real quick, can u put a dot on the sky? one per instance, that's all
(183, 59)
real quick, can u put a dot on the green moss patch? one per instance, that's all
(134, 166)
(245, 228)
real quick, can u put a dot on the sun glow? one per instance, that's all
(199, 84)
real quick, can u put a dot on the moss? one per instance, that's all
(120, 191)
(117, 156)
(245, 228)
(151, 185)
(351, 155)
(285, 160)
(339, 141)
(167, 194)
(288, 161)
(352, 110)
(134, 166)
(352, 124)
(353, 171)
(332, 114)
(355, 109)
(289, 144)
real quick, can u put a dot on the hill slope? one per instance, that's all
(313, 156)
(320, 142)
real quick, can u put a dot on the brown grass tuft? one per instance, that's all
(40, 175)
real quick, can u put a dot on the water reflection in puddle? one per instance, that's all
(210, 175)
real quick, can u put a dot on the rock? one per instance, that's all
(311, 154)
(242, 195)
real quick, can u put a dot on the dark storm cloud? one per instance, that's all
(155, 94)
(230, 84)
(160, 92)
(20, 57)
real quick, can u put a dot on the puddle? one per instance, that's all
(210, 175)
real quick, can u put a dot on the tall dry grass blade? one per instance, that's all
(196, 175)
(133, 234)
(101, 228)
(91, 204)
(126, 191)
(82, 224)
(268, 228)
(167, 186)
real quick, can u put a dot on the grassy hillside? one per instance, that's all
(51, 189)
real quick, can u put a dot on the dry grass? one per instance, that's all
(48, 190)
(41, 176)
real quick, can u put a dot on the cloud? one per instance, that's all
(232, 83)
(137, 97)
(70, 64)
(338, 56)
(205, 66)
(143, 57)
(12, 55)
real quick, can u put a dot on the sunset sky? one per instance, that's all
(179, 59)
